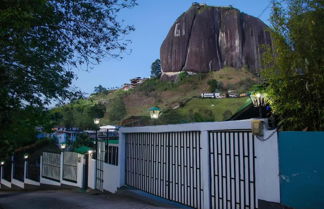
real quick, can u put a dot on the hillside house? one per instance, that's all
(133, 83)
(64, 135)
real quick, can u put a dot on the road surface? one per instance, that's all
(70, 200)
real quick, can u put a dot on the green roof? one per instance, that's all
(154, 109)
(82, 150)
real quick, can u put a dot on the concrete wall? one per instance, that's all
(302, 169)
(111, 178)
(91, 173)
(3, 181)
(267, 164)
(29, 181)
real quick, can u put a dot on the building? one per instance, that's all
(64, 135)
(133, 83)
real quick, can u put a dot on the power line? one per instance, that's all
(267, 7)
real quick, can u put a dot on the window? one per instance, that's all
(112, 155)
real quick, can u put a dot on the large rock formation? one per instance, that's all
(208, 38)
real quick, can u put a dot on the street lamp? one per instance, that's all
(259, 100)
(155, 112)
(96, 121)
(26, 156)
(90, 152)
(2, 163)
(62, 146)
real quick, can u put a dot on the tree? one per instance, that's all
(79, 114)
(117, 110)
(213, 85)
(41, 41)
(156, 69)
(294, 68)
(100, 90)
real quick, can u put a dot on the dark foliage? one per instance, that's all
(156, 69)
(41, 41)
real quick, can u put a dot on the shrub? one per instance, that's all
(213, 85)
(117, 110)
(182, 75)
(227, 114)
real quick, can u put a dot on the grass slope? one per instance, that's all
(218, 109)
(170, 95)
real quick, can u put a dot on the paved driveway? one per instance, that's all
(69, 200)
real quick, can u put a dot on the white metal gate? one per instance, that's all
(232, 170)
(100, 158)
(166, 164)
(51, 166)
(70, 166)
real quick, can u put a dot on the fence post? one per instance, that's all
(205, 170)
(12, 167)
(40, 168)
(0, 175)
(61, 166)
(121, 158)
(25, 170)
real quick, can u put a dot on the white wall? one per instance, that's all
(267, 167)
(29, 181)
(17, 183)
(111, 178)
(6, 183)
(91, 172)
(3, 181)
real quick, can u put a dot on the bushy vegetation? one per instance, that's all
(215, 86)
(79, 114)
(116, 111)
(41, 43)
(82, 140)
(155, 84)
(100, 90)
(156, 69)
(294, 64)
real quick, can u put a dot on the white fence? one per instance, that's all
(203, 165)
(50, 172)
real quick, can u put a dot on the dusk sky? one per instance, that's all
(152, 20)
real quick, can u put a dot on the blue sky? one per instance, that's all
(152, 20)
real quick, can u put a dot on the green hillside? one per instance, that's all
(181, 98)
(179, 101)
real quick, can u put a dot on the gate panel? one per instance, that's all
(33, 167)
(51, 166)
(70, 166)
(99, 164)
(19, 167)
(7, 170)
(166, 165)
(232, 166)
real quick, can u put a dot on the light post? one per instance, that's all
(26, 156)
(259, 100)
(155, 112)
(96, 121)
(1, 165)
